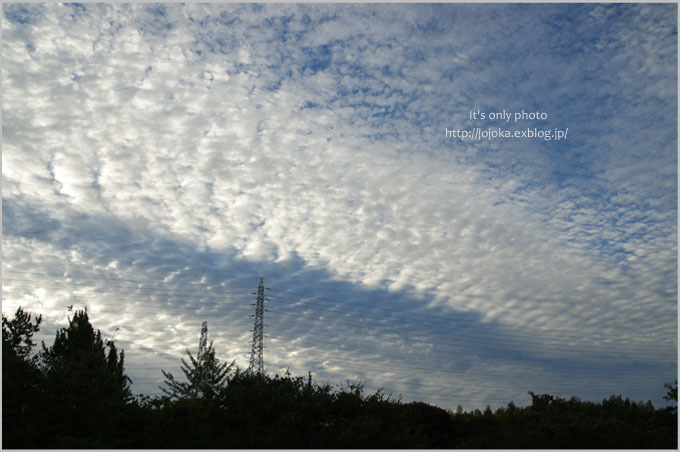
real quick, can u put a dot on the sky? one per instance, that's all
(158, 160)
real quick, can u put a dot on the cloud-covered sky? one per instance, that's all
(158, 160)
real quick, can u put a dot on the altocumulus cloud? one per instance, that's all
(157, 159)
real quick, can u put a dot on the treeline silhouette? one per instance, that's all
(75, 394)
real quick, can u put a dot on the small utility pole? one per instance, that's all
(256, 354)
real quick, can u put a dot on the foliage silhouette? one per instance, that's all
(17, 334)
(205, 375)
(76, 395)
(86, 388)
(672, 393)
(22, 381)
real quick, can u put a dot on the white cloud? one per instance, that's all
(246, 148)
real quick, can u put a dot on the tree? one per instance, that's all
(672, 393)
(21, 381)
(17, 334)
(87, 388)
(79, 349)
(206, 375)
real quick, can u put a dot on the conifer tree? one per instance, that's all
(17, 334)
(79, 349)
(22, 393)
(85, 384)
(205, 376)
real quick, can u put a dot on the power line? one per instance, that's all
(531, 383)
(431, 319)
(588, 365)
(420, 361)
(317, 298)
(154, 301)
(469, 336)
(104, 289)
(397, 363)
(528, 375)
(466, 335)
(410, 313)
(410, 319)
(147, 281)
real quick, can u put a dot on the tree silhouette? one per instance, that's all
(79, 349)
(86, 386)
(77, 396)
(17, 334)
(206, 375)
(22, 381)
(672, 393)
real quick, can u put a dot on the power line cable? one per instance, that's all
(409, 319)
(467, 338)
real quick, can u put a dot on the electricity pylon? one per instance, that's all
(203, 341)
(256, 354)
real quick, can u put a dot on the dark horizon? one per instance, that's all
(159, 159)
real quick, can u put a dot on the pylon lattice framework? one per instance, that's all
(257, 352)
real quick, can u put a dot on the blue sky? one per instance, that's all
(158, 159)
